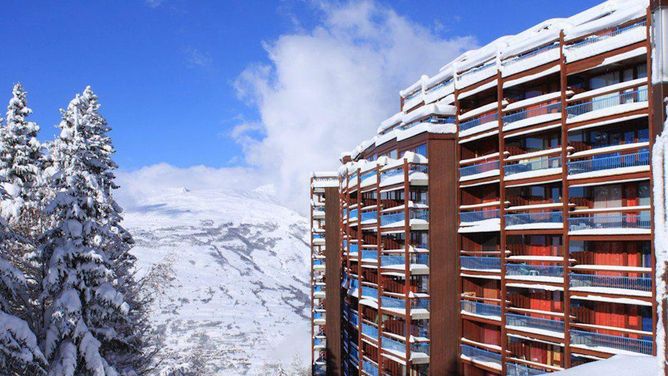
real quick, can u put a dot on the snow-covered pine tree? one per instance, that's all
(89, 322)
(133, 348)
(20, 163)
(19, 350)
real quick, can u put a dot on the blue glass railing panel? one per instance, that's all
(535, 165)
(480, 263)
(590, 339)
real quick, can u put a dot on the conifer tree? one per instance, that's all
(19, 350)
(89, 321)
(20, 164)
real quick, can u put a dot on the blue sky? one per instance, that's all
(165, 70)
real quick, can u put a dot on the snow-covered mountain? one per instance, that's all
(230, 275)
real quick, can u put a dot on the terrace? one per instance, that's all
(610, 344)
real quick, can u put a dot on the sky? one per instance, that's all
(242, 94)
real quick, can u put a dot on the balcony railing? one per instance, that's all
(531, 53)
(534, 270)
(318, 236)
(370, 255)
(640, 220)
(439, 85)
(368, 174)
(354, 355)
(523, 321)
(353, 248)
(400, 171)
(516, 219)
(392, 344)
(387, 219)
(420, 258)
(480, 263)
(589, 339)
(369, 292)
(369, 216)
(607, 101)
(552, 108)
(478, 168)
(319, 341)
(535, 165)
(319, 288)
(318, 315)
(478, 121)
(514, 369)
(476, 216)
(613, 33)
(369, 330)
(615, 282)
(390, 302)
(318, 262)
(481, 355)
(482, 309)
(370, 368)
(353, 214)
(640, 158)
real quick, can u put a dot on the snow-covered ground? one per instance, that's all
(230, 274)
(618, 365)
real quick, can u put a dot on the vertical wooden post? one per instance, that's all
(566, 362)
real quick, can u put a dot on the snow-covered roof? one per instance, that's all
(603, 16)
(608, 14)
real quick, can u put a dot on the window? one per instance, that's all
(421, 149)
(394, 154)
(603, 80)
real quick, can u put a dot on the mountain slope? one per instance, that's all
(230, 276)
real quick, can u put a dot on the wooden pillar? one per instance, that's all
(332, 282)
(565, 242)
(444, 288)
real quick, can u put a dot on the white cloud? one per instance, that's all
(323, 91)
(327, 89)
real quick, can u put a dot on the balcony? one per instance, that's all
(318, 318)
(610, 344)
(353, 215)
(369, 217)
(319, 342)
(479, 171)
(369, 292)
(535, 325)
(370, 368)
(530, 116)
(534, 57)
(641, 286)
(605, 41)
(477, 216)
(490, 311)
(515, 369)
(484, 357)
(417, 175)
(623, 163)
(318, 238)
(370, 256)
(319, 291)
(418, 219)
(318, 263)
(418, 262)
(611, 224)
(533, 168)
(419, 306)
(534, 220)
(544, 273)
(370, 331)
(480, 263)
(605, 105)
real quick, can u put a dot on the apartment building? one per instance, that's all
(502, 221)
